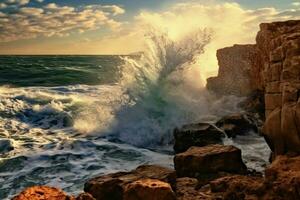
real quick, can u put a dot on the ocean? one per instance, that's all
(66, 119)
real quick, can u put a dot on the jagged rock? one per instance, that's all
(187, 189)
(209, 162)
(237, 187)
(237, 124)
(239, 71)
(6, 146)
(85, 196)
(43, 193)
(112, 186)
(282, 179)
(149, 189)
(200, 134)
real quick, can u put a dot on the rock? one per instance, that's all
(237, 124)
(187, 189)
(237, 187)
(6, 146)
(149, 189)
(279, 44)
(209, 162)
(112, 186)
(239, 71)
(85, 196)
(282, 179)
(43, 193)
(254, 104)
(201, 134)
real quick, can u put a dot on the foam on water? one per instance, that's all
(64, 135)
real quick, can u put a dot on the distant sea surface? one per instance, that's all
(58, 70)
(66, 119)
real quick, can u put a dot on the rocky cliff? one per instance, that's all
(279, 44)
(272, 66)
(239, 71)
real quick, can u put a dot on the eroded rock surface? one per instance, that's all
(113, 186)
(279, 44)
(209, 161)
(43, 193)
(149, 189)
(238, 69)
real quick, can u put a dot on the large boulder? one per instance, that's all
(112, 186)
(200, 134)
(209, 161)
(237, 124)
(149, 189)
(43, 193)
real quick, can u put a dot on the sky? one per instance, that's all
(119, 26)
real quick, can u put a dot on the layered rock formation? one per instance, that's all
(279, 44)
(238, 69)
(273, 67)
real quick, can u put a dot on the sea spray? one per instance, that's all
(153, 82)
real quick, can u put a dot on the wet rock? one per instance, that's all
(282, 179)
(255, 105)
(209, 162)
(112, 186)
(200, 134)
(237, 124)
(149, 189)
(6, 146)
(43, 193)
(85, 196)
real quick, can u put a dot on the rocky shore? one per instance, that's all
(268, 74)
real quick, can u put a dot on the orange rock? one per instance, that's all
(43, 193)
(209, 160)
(187, 189)
(239, 73)
(112, 186)
(278, 43)
(237, 187)
(282, 179)
(149, 189)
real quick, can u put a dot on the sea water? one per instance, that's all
(70, 118)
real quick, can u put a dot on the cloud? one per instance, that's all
(55, 20)
(296, 4)
(231, 24)
(2, 5)
(18, 2)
